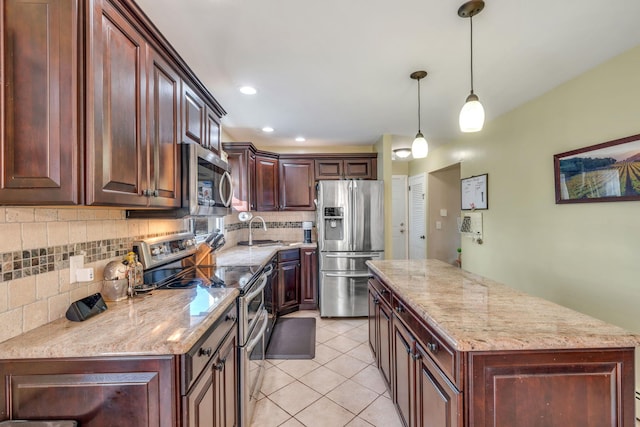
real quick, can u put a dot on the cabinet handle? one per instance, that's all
(147, 192)
(230, 317)
(433, 347)
(376, 301)
(399, 309)
(220, 365)
(156, 193)
(205, 351)
(384, 291)
(416, 356)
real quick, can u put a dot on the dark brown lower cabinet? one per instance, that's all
(380, 333)
(212, 400)
(288, 287)
(308, 279)
(96, 392)
(434, 385)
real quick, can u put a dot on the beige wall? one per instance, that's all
(444, 193)
(584, 256)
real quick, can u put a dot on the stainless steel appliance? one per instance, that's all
(206, 189)
(350, 222)
(169, 263)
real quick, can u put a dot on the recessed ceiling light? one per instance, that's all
(300, 139)
(248, 90)
(267, 129)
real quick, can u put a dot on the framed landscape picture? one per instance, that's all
(607, 172)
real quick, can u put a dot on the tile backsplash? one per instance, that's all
(35, 247)
(36, 244)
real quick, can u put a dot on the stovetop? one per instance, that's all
(178, 277)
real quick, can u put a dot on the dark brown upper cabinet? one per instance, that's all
(92, 106)
(40, 75)
(296, 185)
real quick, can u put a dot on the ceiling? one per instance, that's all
(337, 71)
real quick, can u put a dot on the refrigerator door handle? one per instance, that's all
(351, 276)
(351, 212)
(353, 256)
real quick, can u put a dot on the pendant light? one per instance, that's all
(472, 113)
(420, 147)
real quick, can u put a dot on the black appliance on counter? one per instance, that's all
(170, 263)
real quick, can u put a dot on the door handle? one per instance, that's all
(354, 276)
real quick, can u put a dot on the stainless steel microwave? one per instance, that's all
(206, 184)
(209, 187)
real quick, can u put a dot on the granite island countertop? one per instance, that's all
(158, 323)
(474, 313)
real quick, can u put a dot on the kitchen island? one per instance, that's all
(457, 349)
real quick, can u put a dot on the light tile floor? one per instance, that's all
(341, 386)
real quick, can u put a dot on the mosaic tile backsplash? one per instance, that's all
(36, 244)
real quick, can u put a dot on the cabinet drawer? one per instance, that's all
(381, 289)
(440, 352)
(193, 362)
(289, 255)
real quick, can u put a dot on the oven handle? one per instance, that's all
(263, 328)
(253, 294)
(268, 270)
(348, 275)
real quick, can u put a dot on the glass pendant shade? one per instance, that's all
(472, 115)
(420, 147)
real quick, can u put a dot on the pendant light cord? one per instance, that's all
(419, 131)
(471, 25)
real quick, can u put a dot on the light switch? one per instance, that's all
(443, 212)
(438, 225)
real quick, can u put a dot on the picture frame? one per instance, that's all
(606, 172)
(474, 192)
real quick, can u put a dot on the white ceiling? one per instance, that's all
(337, 71)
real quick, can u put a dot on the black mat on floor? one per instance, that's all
(293, 338)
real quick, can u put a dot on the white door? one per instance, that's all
(417, 216)
(399, 220)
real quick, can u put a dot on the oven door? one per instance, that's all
(210, 189)
(252, 357)
(250, 305)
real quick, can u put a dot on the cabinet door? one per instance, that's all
(243, 164)
(403, 390)
(438, 402)
(296, 185)
(329, 169)
(226, 390)
(384, 339)
(358, 169)
(373, 322)
(163, 156)
(39, 73)
(309, 279)
(251, 181)
(200, 404)
(266, 184)
(288, 286)
(193, 116)
(212, 131)
(116, 149)
(135, 392)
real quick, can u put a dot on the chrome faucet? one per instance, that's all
(264, 227)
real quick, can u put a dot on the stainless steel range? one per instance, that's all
(169, 263)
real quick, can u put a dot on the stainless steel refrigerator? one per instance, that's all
(350, 221)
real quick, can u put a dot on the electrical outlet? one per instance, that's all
(76, 262)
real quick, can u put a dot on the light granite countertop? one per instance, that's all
(477, 314)
(159, 323)
(255, 255)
